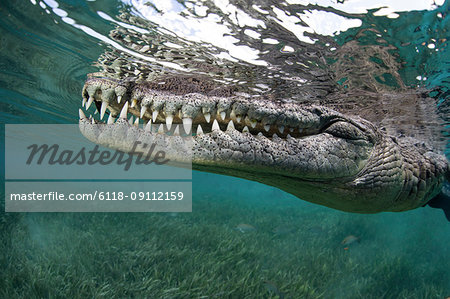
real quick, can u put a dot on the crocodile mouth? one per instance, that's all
(230, 133)
(194, 113)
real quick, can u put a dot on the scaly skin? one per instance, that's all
(313, 152)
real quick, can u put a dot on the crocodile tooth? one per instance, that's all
(199, 130)
(133, 103)
(154, 115)
(96, 111)
(124, 112)
(111, 119)
(83, 102)
(238, 118)
(120, 92)
(89, 102)
(93, 121)
(103, 109)
(232, 114)
(187, 125)
(207, 117)
(161, 129)
(148, 127)
(275, 136)
(267, 127)
(215, 126)
(222, 115)
(169, 120)
(291, 130)
(176, 132)
(230, 126)
(143, 110)
(245, 130)
(252, 122)
(281, 129)
(131, 120)
(136, 122)
(260, 134)
(81, 113)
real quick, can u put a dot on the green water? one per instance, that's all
(294, 248)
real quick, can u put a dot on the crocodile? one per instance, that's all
(311, 151)
(343, 158)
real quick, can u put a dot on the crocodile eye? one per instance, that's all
(345, 130)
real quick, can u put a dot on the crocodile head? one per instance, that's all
(311, 151)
